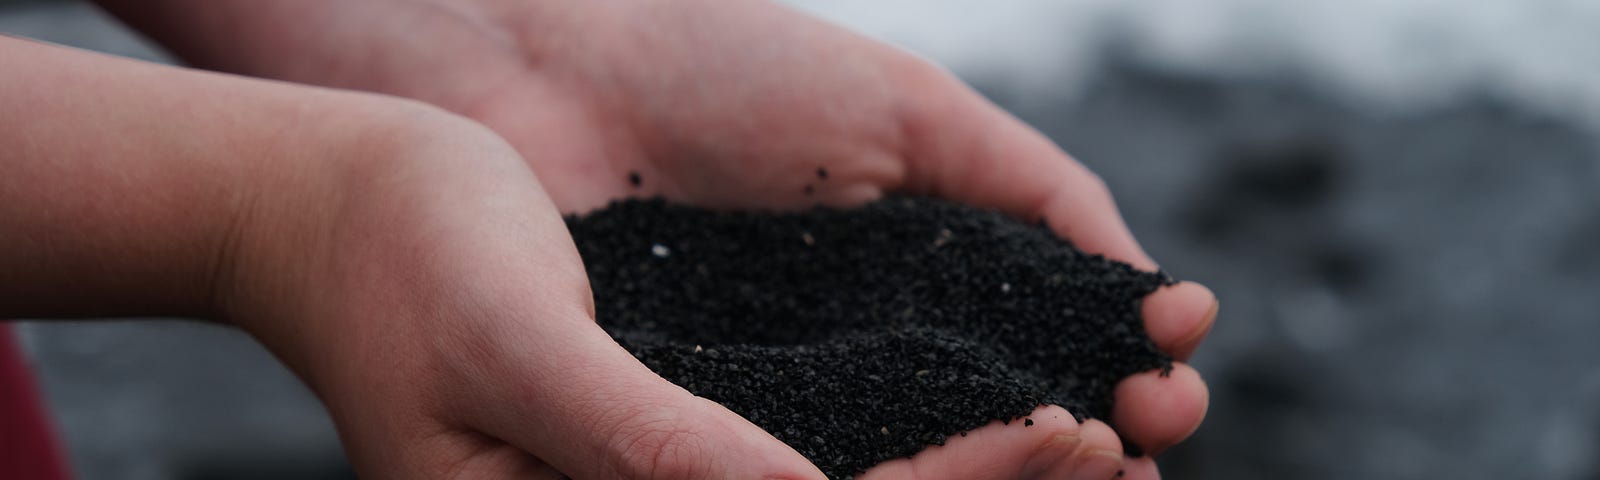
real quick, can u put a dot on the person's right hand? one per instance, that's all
(438, 306)
(402, 260)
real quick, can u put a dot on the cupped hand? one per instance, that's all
(429, 292)
(720, 103)
(402, 260)
(740, 104)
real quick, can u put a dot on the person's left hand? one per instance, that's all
(746, 104)
(740, 104)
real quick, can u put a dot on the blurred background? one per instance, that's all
(1396, 201)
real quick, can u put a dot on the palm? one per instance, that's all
(762, 116)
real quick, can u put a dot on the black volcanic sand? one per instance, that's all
(864, 335)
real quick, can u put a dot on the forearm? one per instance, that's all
(409, 48)
(125, 185)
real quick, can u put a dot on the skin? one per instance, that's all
(382, 249)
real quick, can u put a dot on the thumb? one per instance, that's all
(595, 412)
(965, 148)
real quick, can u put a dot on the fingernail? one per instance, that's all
(1097, 465)
(1052, 459)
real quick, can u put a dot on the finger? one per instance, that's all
(445, 453)
(1047, 444)
(502, 461)
(962, 147)
(1101, 456)
(593, 411)
(1097, 456)
(1142, 468)
(1178, 317)
(1157, 411)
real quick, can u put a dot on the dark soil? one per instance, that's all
(864, 335)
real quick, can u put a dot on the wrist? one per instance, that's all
(335, 240)
(151, 215)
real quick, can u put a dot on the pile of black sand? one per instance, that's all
(863, 335)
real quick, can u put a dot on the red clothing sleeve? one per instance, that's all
(28, 449)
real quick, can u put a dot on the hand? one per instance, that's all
(734, 103)
(402, 260)
(744, 104)
(433, 299)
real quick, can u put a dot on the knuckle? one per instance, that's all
(1093, 181)
(926, 74)
(659, 449)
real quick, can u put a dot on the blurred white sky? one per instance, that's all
(1388, 54)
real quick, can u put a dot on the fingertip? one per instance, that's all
(1100, 454)
(1178, 317)
(754, 453)
(1157, 411)
(1088, 217)
(759, 455)
(965, 148)
(1044, 444)
(1142, 468)
(1096, 435)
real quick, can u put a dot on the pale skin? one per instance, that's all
(410, 264)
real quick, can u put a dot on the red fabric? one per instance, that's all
(28, 449)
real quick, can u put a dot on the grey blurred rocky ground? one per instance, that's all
(1406, 294)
